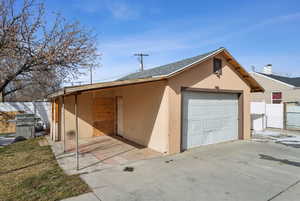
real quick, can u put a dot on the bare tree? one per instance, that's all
(37, 87)
(33, 51)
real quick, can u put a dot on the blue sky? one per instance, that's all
(256, 32)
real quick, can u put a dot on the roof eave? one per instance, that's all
(284, 83)
(196, 62)
(79, 89)
(254, 85)
(56, 94)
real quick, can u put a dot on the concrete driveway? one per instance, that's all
(241, 170)
(98, 153)
(6, 139)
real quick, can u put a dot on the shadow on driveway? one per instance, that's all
(284, 161)
(291, 144)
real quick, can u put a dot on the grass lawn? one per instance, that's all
(29, 171)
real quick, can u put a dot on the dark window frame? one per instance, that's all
(217, 66)
(274, 99)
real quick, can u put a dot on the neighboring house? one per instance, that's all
(196, 101)
(278, 89)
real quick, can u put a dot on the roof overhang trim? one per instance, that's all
(284, 83)
(254, 85)
(78, 89)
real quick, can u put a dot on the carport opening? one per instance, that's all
(105, 143)
(97, 116)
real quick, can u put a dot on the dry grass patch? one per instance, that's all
(29, 171)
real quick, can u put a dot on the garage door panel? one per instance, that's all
(209, 118)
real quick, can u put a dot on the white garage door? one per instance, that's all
(209, 118)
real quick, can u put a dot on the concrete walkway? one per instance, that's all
(99, 153)
(6, 140)
(242, 170)
(85, 197)
(288, 138)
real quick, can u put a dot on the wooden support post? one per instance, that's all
(77, 138)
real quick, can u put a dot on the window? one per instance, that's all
(217, 66)
(276, 97)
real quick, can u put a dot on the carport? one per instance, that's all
(92, 116)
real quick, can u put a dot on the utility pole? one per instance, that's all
(91, 74)
(141, 55)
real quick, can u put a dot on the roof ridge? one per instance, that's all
(292, 81)
(168, 68)
(298, 77)
(207, 53)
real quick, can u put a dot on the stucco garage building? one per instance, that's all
(196, 101)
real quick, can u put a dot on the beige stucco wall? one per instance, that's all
(145, 110)
(67, 121)
(289, 94)
(202, 76)
(85, 115)
(85, 128)
(69, 118)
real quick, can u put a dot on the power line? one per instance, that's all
(110, 78)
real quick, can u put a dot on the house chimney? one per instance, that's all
(267, 69)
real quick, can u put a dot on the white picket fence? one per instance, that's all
(266, 115)
(41, 109)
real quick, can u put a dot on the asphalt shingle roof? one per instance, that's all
(295, 81)
(166, 69)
